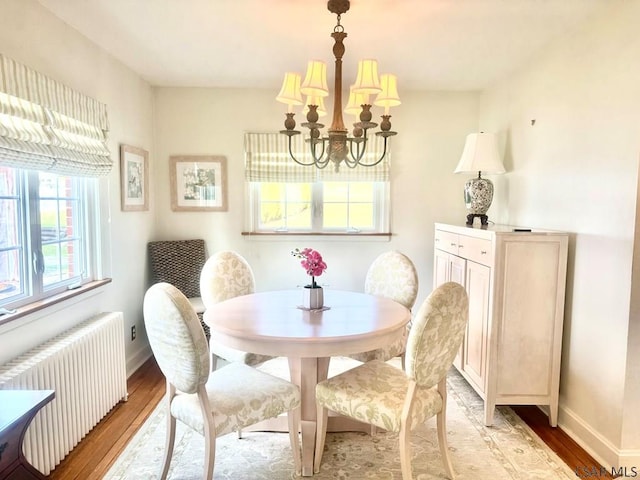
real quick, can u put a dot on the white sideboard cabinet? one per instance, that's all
(515, 279)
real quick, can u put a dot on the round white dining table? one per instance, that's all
(274, 323)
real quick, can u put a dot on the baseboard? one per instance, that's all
(135, 361)
(623, 461)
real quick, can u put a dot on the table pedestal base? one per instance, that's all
(306, 373)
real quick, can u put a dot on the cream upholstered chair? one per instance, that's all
(225, 275)
(392, 275)
(212, 403)
(400, 400)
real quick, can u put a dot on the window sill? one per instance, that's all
(47, 302)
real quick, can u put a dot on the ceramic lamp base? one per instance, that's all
(478, 195)
(312, 298)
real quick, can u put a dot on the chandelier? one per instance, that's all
(338, 146)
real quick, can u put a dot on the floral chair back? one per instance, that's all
(225, 275)
(436, 334)
(176, 337)
(393, 275)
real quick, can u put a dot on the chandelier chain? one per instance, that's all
(338, 28)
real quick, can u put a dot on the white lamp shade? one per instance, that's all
(290, 91)
(388, 97)
(315, 81)
(314, 100)
(367, 80)
(356, 100)
(480, 154)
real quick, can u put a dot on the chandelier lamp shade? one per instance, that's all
(480, 155)
(339, 146)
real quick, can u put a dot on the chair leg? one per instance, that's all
(405, 452)
(170, 440)
(239, 434)
(441, 423)
(442, 442)
(321, 435)
(209, 434)
(293, 418)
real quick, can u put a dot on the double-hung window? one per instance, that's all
(52, 145)
(288, 198)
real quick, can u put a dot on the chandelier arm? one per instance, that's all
(384, 154)
(293, 157)
(317, 159)
(361, 148)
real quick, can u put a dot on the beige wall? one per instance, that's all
(31, 35)
(576, 169)
(432, 130)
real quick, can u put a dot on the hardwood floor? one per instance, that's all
(95, 454)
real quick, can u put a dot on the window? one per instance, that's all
(323, 207)
(43, 235)
(286, 197)
(52, 148)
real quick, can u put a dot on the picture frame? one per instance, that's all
(198, 183)
(134, 178)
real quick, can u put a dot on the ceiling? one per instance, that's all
(429, 44)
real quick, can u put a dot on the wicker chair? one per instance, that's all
(179, 262)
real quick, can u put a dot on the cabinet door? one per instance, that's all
(440, 267)
(475, 342)
(449, 268)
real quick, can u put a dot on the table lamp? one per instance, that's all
(480, 155)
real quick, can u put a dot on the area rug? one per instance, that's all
(508, 450)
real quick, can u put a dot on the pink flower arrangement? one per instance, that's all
(311, 262)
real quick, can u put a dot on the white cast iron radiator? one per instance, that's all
(86, 367)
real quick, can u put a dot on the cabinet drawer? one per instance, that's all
(476, 249)
(446, 241)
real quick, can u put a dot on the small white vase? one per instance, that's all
(312, 298)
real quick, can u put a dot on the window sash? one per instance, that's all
(48, 262)
(380, 212)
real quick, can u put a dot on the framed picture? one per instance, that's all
(134, 178)
(198, 183)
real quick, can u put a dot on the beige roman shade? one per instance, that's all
(45, 125)
(267, 160)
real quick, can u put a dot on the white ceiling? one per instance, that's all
(429, 44)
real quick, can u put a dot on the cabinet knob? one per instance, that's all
(453, 244)
(460, 246)
(483, 252)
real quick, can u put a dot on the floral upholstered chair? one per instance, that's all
(212, 403)
(226, 275)
(400, 400)
(391, 275)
